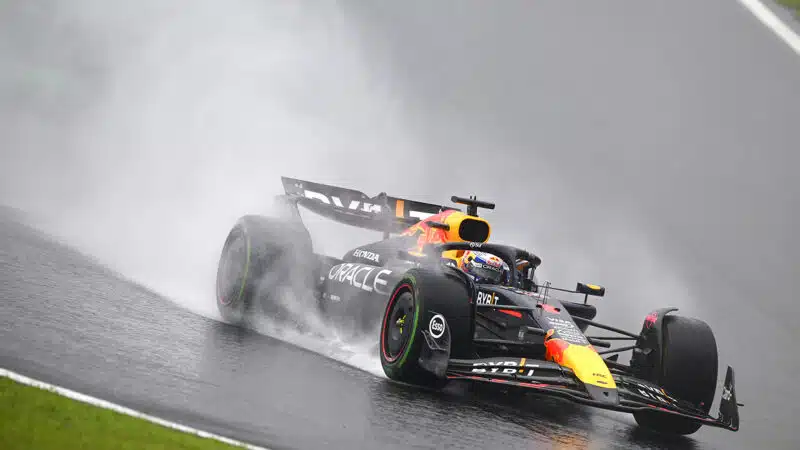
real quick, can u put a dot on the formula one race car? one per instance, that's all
(448, 305)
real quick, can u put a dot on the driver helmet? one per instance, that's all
(484, 267)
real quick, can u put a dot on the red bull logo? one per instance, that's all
(428, 234)
(584, 361)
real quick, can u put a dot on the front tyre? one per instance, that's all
(688, 372)
(425, 306)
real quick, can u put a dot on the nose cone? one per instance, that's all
(588, 367)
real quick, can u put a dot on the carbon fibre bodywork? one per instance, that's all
(520, 334)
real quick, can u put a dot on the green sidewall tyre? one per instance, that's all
(259, 259)
(418, 293)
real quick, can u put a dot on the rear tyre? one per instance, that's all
(407, 316)
(262, 259)
(688, 372)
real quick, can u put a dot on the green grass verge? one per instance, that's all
(33, 418)
(794, 5)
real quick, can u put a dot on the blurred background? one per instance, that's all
(650, 148)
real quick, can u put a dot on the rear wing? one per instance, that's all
(380, 213)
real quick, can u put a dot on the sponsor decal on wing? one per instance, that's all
(352, 205)
(651, 392)
(505, 367)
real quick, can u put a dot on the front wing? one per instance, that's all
(632, 394)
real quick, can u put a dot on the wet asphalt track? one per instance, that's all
(66, 320)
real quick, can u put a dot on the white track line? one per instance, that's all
(120, 409)
(768, 18)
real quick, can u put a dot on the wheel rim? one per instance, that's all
(399, 326)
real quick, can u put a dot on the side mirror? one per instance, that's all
(590, 289)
